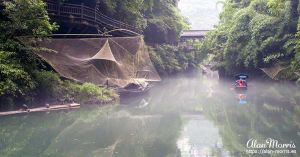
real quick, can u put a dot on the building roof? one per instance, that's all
(194, 33)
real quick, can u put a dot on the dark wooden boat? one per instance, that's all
(135, 89)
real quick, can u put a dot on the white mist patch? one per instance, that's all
(202, 14)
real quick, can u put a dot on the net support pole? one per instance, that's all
(82, 11)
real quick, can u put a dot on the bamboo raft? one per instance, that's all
(42, 109)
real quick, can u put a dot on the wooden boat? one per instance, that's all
(135, 89)
(241, 83)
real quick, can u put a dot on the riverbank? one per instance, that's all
(42, 109)
(52, 89)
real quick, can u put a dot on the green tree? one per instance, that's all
(160, 20)
(20, 18)
(254, 34)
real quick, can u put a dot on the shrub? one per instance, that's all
(87, 93)
(48, 85)
(91, 93)
(51, 88)
(15, 81)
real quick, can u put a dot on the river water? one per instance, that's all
(187, 117)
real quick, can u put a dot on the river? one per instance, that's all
(183, 116)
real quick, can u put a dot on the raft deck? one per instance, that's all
(42, 109)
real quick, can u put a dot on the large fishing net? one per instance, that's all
(273, 71)
(115, 61)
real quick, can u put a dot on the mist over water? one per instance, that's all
(182, 116)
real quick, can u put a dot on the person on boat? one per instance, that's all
(241, 83)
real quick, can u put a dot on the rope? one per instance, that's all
(121, 29)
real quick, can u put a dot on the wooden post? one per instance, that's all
(96, 8)
(58, 9)
(82, 10)
(95, 15)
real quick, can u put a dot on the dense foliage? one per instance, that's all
(255, 34)
(51, 88)
(23, 78)
(162, 24)
(160, 20)
(19, 18)
(169, 60)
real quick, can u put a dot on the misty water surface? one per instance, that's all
(184, 116)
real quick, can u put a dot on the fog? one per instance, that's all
(202, 14)
(181, 116)
(187, 94)
(215, 114)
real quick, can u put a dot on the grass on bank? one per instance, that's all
(50, 88)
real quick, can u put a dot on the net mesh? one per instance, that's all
(272, 72)
(116, 61)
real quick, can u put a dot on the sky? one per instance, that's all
(202, 14)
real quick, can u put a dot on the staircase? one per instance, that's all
(81, 14)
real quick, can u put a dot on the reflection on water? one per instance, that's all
(242, 97)
(200, 137)
(188, 117)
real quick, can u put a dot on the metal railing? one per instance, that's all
(86, 15)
